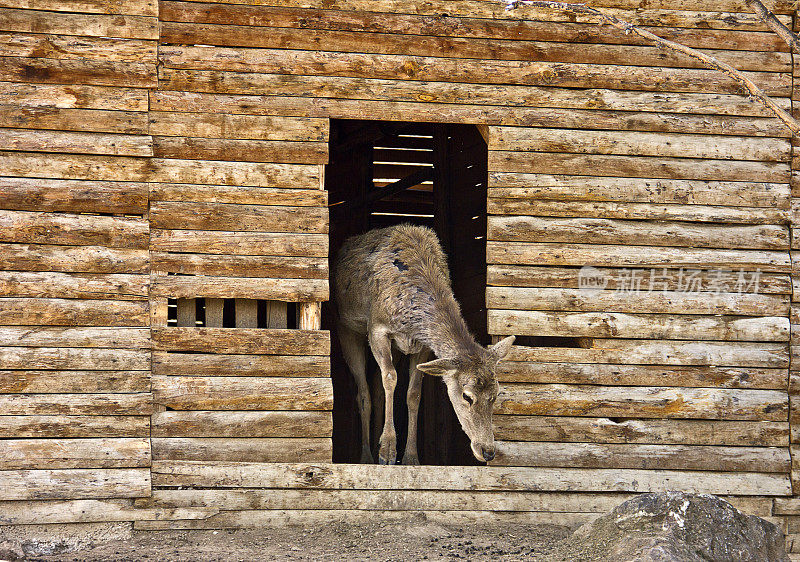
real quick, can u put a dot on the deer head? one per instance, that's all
(472, 387)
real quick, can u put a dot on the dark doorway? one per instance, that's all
(386, 173)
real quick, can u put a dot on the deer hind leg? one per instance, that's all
(382, 350)
(353, 349)
(412, 398)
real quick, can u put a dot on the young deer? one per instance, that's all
(392, 287)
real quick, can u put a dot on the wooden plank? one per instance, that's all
(240, 243)
(242, 393)
(85, 382)
(214, 313)
(309, 316)
(45, 97)
(603, 230)
(72, 312)
(637, 301)
(246, 341)
(646, 326)
(97, 73)
(238, 195)
(25, 194)
(131, 338)
(240, 266)
(29, 227)
(660, 279)
(75, 166)
(70, 358)
(227, 126)
(125, 7)
(637, 144)
(486, 71)
(670, 457)
(241, 424)
(291, 290)
(68, 119)
(240, 218)
(101, 511)
(604, 255)
(33, 140)
(642, 402)
(246, 312)
(18, 454)
(215, 172)
(38, 426)
(52, 260)
(76, 404)
(74, 483)
(241, 365)
(242, 449)
(187, 312)
(649, 352)
(521, 185)
(505, 479)
(71, 47)
(638, 166)
(562, 429)
(91, 25)
(641, 375)
(289, 152)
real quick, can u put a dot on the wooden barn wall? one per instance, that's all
(604, 152)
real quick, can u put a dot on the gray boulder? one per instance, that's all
(675, 527)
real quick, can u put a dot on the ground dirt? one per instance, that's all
(411, 540)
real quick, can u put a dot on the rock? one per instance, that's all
(675, 527)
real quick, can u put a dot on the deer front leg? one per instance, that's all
(353, 349)
(412, 398)
(382, 350)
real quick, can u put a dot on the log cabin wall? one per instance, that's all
(604, 152)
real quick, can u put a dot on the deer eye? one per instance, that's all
(468, 398)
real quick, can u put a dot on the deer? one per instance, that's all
(392, 290)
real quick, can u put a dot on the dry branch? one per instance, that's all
(708, 61)
(774, 24)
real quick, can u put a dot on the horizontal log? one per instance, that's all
(74, 483)
(639, 211)
(649, 352)
(72, 47)
(645, 326)
(238, 195)
(242, 393)
(96, 73)
(603, 230)
(606, 255)
(654, 279)
(94, 25)
(79, 230)
(637, 144)
(227, 126)
(70, 358)
(670, 457)
(33, 140)
(240, 218)
(241, 365)
(79, 259)
(272, 449)
(637, 299)
(84, 382)
(639, 166)
(239, 266)
(76, 404)
(642, 402)
(641, 375)
(60, 426)
(131, 338)
(45, 97)
(289, 152)
(562, 429)
(289, 290)
(124, 7)
(481, 71)
(73, 286)
(75, 166)
(525, 186)
(68, 119)
(506, 479)
(242, 341)
(102, 511)
(25, 194)
(72, 312)
(240, 243)
(18, 454)
(242, 424)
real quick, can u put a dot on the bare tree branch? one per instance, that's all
(774, 24)
(707, 60)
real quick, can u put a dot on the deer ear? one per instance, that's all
(501, 348)
(438, 367)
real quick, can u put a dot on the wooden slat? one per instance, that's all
(68, 119)
(97, 73)
(240, 243)
(227, 126)
(71, 47)
(238, 195)
(74, 286)
(26, 194)
(241, 218)
(247, 341)
(102, 511)
(94, 25)
(131, 338)
(240, 266)
(79, 259)
(44, 97)
(76, 404)
(81, 230)
(76, 142)
(241, 365)
(652, 326)
(243, 393)
(289, 152)
(18, 454)
(83, 382)
(72, 312)
(241, 424)
(74, 483)
(273, 449)
(70, 358)
(291, 290)
(38, 426)
(642, 402)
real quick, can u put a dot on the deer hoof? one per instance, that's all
(366, 458)
(411, 460)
